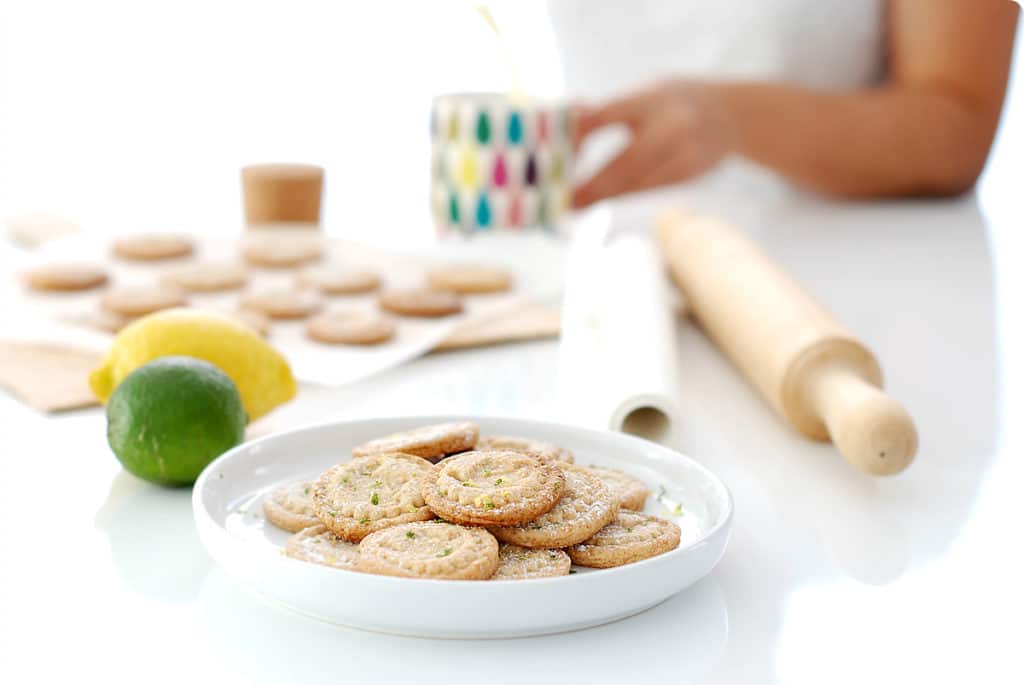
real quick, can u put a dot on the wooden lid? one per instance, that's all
(282, 193)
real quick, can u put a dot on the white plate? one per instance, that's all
(227, 503)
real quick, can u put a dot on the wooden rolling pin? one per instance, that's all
(819, 378)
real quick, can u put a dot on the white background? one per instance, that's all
(129, 115)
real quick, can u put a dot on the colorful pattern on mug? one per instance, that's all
(499, 164)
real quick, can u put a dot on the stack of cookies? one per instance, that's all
(440, 502)
(315, 287)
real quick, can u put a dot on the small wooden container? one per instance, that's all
(282, 193)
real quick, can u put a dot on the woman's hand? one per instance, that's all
(679, 130)
(925, 130)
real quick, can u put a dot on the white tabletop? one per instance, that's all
(830, 576)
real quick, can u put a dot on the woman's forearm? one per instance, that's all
(925, 131)
(885, 141)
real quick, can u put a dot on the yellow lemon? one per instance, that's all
(262, 375)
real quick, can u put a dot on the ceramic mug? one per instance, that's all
(499, 163)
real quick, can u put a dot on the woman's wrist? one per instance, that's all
(725, 106)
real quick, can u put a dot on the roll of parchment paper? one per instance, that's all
(617, 364)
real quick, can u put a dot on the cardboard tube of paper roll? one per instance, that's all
(617, 357)
(823, 381)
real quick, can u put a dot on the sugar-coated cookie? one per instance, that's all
(209, 277)
(632, 536)
(257, 321)
(318, 545)
(430, 442)
(282, 251)
(434, 550)
(65, 277)
(545, 450)
(283, 303)
(334, 280)
(33, 230)
(100, 320)
(146, 247)
(371, 493)
(139, 300)
(420, 303)
(290, 506)
(630, 491)
(501, 488)
(350, 328)
(586, 506)
(523, 563)
(469, 280)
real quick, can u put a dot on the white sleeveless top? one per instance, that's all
(610, 47)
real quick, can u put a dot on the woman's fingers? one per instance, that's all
(580, 115)
(679, 131)
(669, 171)
(673, 170)
(628, 110)
(653, 145)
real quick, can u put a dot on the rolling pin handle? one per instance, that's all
(871, 430)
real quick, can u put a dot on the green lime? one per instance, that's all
(171, 417)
